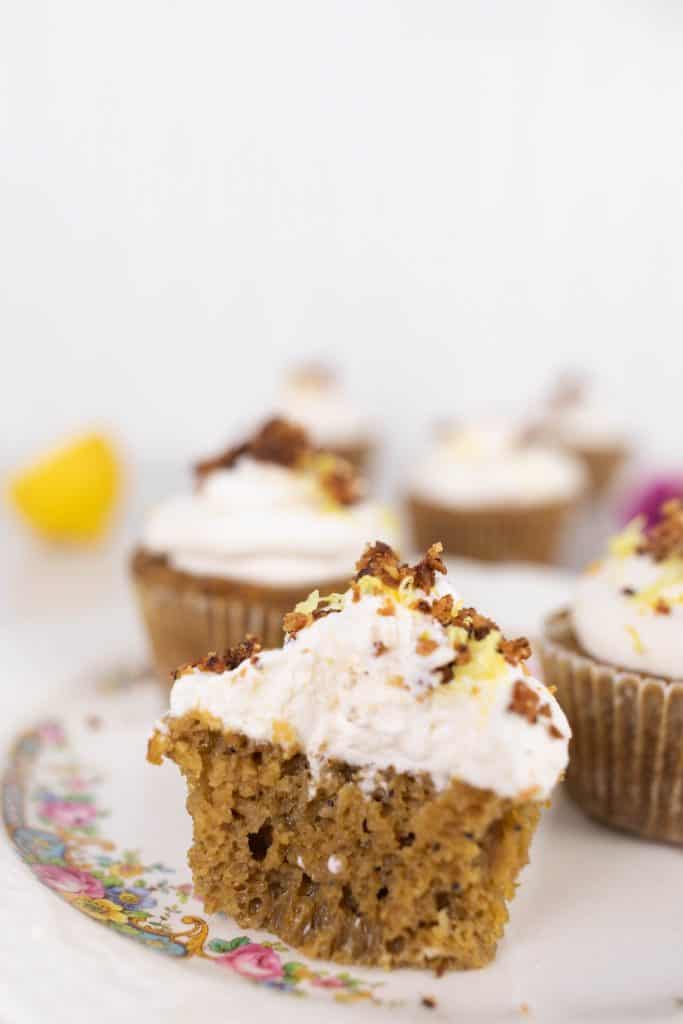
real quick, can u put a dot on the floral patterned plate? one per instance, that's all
(596, 929)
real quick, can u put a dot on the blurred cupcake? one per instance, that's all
(488, 494)
(313, 396)
(268, 519)
(616, 658)
(577, 422)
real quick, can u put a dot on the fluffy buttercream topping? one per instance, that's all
(314, 397)
(394, 673)
(628, 607)
(575, 416)
(263, 523)
(493, 464)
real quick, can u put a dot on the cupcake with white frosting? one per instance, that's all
(375, 782)
(582, 425)
(616, 658)
(490, 494)
(314, 396)
(266, 520)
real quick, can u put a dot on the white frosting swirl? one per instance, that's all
(488, 465)
(263, 523)
(586, 425)
(324, 409)
(616, 614)
(339, 698)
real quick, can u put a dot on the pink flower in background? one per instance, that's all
(253, 961)
(70, 814)
(648, 499)
(69, 881)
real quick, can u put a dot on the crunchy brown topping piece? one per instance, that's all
(665, 538)
(294, 621)
(248, 649)
(356, 592)
(424, 573)
(429, 1002)
(379, 648)
(463, 655)
(525, 701)
(276, 441)
(426, 644)
(476, 626)
(382, 562)
(423, 606)
(442, 610)
(287, 444)
(628, 591)
(555, 733)
(515, 651)
(341, 482)
(388, 608)
(662, 607)
(399, 682)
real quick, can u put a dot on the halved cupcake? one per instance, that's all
(268, 520)
(491, 495)
(313, 395)
(368, 791)
(616, 658)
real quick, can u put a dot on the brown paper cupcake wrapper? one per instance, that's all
(626, 754)
(492, 534)
(188, 616)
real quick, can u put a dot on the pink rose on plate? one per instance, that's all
(253, 961)
(70, 814)
(69, 881)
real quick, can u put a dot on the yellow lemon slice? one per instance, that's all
(69, 494)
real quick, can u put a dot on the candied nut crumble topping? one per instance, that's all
(665, 539)
(287, 444)
(247, 650)
(475, 639)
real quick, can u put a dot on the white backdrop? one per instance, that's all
(448, 197)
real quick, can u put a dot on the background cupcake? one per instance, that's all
(268, 520)
(313, 395)
(488, 494)
(616, 658)
(577, 421)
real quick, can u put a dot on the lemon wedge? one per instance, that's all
(69, 494)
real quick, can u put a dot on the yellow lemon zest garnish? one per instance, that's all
(70, 493)
(486, 662)
(671, 575)
(627, 542)
(308, 606)
(635, 637)
(457, 636)
(371, 585)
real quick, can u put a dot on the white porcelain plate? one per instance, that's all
(596, 932)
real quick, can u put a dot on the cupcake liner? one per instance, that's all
(626, 753)
(187, 617)
(493, 534)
